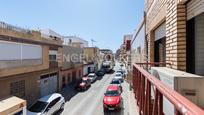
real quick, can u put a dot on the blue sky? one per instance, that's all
(105, 21)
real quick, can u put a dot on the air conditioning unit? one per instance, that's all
(189, 85)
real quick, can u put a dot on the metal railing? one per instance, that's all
(143, 82)
(14, 28)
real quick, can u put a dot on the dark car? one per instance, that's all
(83, 84)
(100, 73)
(117, 82)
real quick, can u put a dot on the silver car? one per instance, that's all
(47, 105)
(92, 77)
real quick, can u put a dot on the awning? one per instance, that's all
(12, 105)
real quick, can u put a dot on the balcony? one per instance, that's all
(53, 64)
(150, 93)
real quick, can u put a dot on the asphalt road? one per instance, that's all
(90, 102)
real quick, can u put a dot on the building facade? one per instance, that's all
(174, 29)
(138, 45)
(91, 58)
(28, 63)
(72, 67)
(125, 50)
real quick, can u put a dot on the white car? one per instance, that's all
(92, 77)
(119, 76)
(47, 105)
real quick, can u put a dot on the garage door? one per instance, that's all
(48, 84)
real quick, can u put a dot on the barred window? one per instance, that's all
(18, 88)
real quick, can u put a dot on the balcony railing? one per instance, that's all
(14, 28)
(53, 64)
(143, 82)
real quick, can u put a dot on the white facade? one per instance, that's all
(19, 51)
(50, 34)
(68, 40)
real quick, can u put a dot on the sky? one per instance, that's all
(105, 21)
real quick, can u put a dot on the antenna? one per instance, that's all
(92, 41)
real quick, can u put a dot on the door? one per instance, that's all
(48, 84)
(160, 50)
(74, 76)
(53, 83)
(89, 70)
(44, 85)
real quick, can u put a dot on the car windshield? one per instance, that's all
(115, 82)
(118, 74)
(91, 76)
(112, 93)
(83, 81)
(39, 106)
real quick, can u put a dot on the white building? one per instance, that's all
(75, 41)
(50, 34)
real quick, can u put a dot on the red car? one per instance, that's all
(84, 84)
(112, 98)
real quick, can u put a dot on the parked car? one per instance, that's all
(83, 84)
(120, 71)
(100, 73)
(92, 77)
(112, 98)
(47, 105)
(117, 82)
(119, 76)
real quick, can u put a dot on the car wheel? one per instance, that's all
(62, 107)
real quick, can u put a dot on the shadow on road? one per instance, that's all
(99, 77)
(111, 72)
(117, 112)
(69, 91)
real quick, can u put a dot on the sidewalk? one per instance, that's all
(133, 109)
(132, 106)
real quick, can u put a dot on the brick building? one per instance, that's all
(174, 30)
(28, 63)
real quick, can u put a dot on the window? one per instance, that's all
(39, 106)
(52, 57)
(18, 88)
(54, 102)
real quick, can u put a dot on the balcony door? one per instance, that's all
(160, 50)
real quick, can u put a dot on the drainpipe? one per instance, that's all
(146, 40)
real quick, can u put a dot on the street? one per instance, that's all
(90, 102)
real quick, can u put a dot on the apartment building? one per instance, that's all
(72, 67)
(172, 31)
(91, 59)
(138, 44)
(29, 63)
(125, 49)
